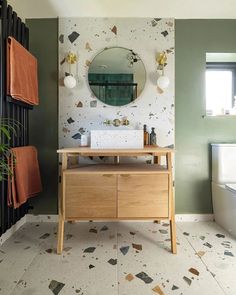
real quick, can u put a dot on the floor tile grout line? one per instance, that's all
(26, 269)
(117, 251)
(202, 261)
(29, 264)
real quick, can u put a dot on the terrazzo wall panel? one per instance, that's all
(80, 111)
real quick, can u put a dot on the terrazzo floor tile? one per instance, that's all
(17, 253)
(124, 258)
(217, 250)
(154, 269)
(87, 266)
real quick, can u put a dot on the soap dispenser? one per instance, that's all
(153, 137)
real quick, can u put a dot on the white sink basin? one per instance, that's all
(116, 139)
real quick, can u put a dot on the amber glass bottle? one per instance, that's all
(145, 135)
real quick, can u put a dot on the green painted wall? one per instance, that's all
(193, 133)
(44, 118)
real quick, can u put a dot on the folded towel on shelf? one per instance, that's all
(25, 181)
(22, 77)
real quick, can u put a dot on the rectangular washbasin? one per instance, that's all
(116, 139)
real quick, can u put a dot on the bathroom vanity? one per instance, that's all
(117, 191)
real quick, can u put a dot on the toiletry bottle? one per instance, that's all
(145, 135)
(84, 140)
(153, 137)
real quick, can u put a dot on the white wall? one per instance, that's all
(125, 8)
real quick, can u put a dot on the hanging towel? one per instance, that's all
(25, 181)
(22, 77)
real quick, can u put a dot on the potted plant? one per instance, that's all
(8, 128)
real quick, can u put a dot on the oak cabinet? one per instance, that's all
(116, 191)
(90, 196)
(143, 196)
(102, 194)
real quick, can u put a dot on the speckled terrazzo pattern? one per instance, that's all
(118, 259)
(116, 139)
(80, 111)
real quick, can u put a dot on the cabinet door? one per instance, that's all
(143, 196)
(90, 196)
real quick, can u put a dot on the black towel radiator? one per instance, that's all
(11, 25)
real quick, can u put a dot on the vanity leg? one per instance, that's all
(157, 160)
(61, 206)
(77, 161)
(172, 205)
(61, 221)
(60, 234)
(173, 235)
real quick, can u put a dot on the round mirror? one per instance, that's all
(117, 76)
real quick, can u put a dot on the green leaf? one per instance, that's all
(5, 131)
(8, 128)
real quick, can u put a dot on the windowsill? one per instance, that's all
(217, 116)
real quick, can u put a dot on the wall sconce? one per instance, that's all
(163, 81)
(69, 80)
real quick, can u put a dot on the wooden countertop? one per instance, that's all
(111, 152)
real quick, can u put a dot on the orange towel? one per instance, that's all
(22, 77)
(25, 181)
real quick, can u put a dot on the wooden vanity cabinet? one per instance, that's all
(115, 195)
(89, 196)
(143, 196)
(116, 191)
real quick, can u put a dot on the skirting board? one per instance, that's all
(12, 230)
(193, 217)
(178, 218)
(54, 218)
(42, 218)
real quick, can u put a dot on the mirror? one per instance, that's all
(117, 76)
(220, 80)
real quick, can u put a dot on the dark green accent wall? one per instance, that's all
(44, 118)
(193, 133)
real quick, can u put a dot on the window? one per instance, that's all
(219, 91)
(220, 82)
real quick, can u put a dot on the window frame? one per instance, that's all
(219, 66)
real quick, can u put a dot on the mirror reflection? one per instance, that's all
(220, 84)
(117, 76)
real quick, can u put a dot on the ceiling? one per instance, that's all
(180, 9)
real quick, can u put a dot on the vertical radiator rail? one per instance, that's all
(11, 25)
